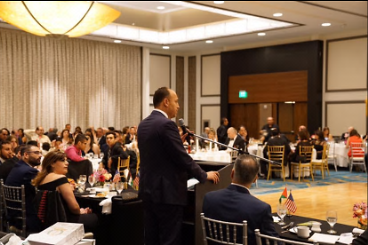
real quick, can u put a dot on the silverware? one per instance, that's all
(287, 226)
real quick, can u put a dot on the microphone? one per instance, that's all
(182, 125)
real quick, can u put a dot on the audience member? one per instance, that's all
(222, 130)
(91, 146)
(8, 165)
(13, 142)
(32, 142)
(74, 152)
(22, 174)
(58, 145)
(354, 138)
(326, 134)
(40, 137)
(244, 134)
(4, 133)
(131, 135)
(133, 160)
(318, 143)
(113, 153)
(304, 140)
(266, 129)
(22, 138)
(52, 134)
(275, 140)
(5, 151)
(243, 205)
(100, 136)
(202, 142)
(77, 131)
(66, 140)
(234, 140)
(45, 148)
(345, 135)
(52, 178)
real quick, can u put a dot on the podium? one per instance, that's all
(192, 230)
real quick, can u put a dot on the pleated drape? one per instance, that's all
(49, 82)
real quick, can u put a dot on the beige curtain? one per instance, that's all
(49, 82)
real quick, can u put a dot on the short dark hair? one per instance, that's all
(223, 120)
(5, 142)
(26, 148)
(80, 138)
(303, 135)
(1, 130)
(111, 132)
(18, 149)
(160, 95)
(245, 169)
(274, 131)
(111, 128)
(59, 139)
(46, 146)
(32, 142)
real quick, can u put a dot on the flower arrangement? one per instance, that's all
(101, 175)
(360, 212)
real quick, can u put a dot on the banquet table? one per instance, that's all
(339, 228)
(340, 151)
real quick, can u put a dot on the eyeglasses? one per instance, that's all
(35, 152)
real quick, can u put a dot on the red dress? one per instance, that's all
(356, 139)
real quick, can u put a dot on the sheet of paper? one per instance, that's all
(323, 238)
(276, 219)
(192, 182)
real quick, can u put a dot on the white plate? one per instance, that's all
(94, 196)
(295, 230)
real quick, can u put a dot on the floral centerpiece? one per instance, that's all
(360, 212)
(101, 175)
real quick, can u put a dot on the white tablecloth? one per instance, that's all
(341, 154)
(216, 156)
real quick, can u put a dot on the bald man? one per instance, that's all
(234, 140)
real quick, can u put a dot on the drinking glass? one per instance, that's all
(91, 180)
(281, 211)
(90, 155)
(331, 217)
(119, 187)
(82, 179)
(101, 155)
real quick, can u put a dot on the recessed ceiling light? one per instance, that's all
(165, 47)
(326, 24)
(261, 34)
(218, 2)
(117, 41)
(277, 14)
(160, 7)
(133, 24)
(209, 41)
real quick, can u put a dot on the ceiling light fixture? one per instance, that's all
(277, 14)
(261, 34)
(117, 41)
(57, 18)
(209, 41)
(165, 47)
(218, 2)
(326, 24)
(161, 7)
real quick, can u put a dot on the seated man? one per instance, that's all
(9, 164)
(275, 140)
(243, 205)
(5, 151)
(74, 152)
(23, 173)
(40, 137)
(234, 140)
(114, 151)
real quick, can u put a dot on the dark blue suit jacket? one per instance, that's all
(235, 204)
(165, 165)
(22, 174)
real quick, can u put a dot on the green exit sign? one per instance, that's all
(243, 94)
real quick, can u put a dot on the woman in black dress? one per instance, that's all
(52, 178)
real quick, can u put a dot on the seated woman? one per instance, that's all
(303, 141)
(354, 138)
(52, 178)
(66, 140)
(318, 143)
(327, 135)
(92, 146)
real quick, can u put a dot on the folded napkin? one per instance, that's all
(357, 231)
(323, 238)
(276, 219)
(106, 205)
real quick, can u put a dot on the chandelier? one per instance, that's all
(57, 18)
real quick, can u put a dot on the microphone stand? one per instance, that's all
(233, 148)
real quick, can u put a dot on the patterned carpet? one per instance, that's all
(278, 185)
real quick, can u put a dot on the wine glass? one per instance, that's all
(91, 180)
(119, 187)
(281, 211)
(82, 179)
(101, 155)
(331, 217)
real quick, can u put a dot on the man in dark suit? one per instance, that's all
(275, 140)
(164, 170)
(234, 140)
(23, 173)
(222, 130)
(9, 164)
(114, 151)
(266, 129)
(101, 139)
(243, 205)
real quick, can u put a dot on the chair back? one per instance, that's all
(276, 153)
(75, 169)
(326, 151)
(306, 151)
(223, 232)
(123, 164)
(14, 198)
(1, 207)
(276, 240)
(357, 149)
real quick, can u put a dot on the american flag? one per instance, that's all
(136, 182)
(116, 177)
(290, 204)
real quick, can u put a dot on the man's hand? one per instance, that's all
(214, 176)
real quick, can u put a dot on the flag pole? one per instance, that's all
(288, 214)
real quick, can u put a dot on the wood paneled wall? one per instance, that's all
(271, 87)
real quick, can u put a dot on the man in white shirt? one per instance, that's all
(40, 137)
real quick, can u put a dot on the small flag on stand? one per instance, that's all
(136, 182)
(283, 195)
(116, 177)
(290, 203)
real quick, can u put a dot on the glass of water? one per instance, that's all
(331, 217)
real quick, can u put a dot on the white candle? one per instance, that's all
(210, 146)
(197, 145)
